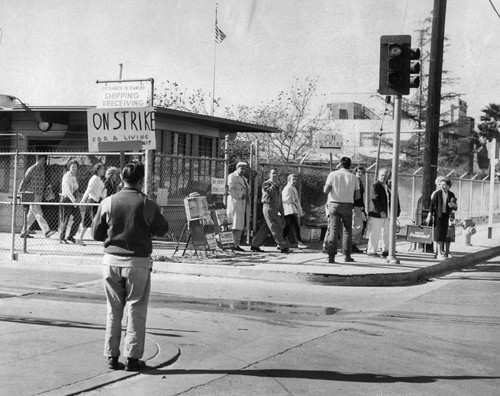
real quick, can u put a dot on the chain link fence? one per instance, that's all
(45, 217)
(174, 178)
(472, 194)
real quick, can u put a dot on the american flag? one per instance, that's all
(219, 34)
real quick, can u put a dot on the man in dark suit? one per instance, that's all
(378, 216)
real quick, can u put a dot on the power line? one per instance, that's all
(404, 17)
(492, 5)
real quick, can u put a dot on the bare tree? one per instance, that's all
(172, 96)
(294, 113)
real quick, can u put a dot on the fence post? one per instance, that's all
(14, 204)
(460, 203)
(471, 193)
(226, 167)
(481, 210)
(368, 188)
(414, 175)
(148, 165)
(255, 189)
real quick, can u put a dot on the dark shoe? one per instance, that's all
(256, 249)
(134, 364)
(238, 249)
(331, 259)
(63, 241)
(373, 254)
(114, 364)
(71, 239)
(385, 254)
(355, 249)
(48, 234)
(348, 259)
(25, 235)
(286, 250)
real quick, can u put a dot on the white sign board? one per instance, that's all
(329, 141)
(226, 239)
(218, 186)
(114, 125)
(123, 94)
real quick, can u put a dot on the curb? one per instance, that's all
(405, 278)
(245, 270)
(110, 377)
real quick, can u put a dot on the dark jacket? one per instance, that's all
(360, 202)
(125, 223)
(437, 203)
(381, 201)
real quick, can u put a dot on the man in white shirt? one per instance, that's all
(342, 188)
(292, 210)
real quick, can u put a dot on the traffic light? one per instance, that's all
(398, 64)
(414, 68)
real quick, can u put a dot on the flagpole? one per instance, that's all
(215, 62)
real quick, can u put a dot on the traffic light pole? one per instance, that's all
(391, 258)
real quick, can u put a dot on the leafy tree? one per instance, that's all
(488, 130)
(491, 121)
(293, 113)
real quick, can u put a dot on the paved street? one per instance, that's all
(227, 336)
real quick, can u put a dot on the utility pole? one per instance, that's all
(431, 140)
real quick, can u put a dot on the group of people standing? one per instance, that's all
(346, 205)
(274, 202)
(104, 182)
(347, 216)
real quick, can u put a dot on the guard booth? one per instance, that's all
(188, 153)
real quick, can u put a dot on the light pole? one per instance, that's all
(8, 102)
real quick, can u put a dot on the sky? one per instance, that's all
(52, 52)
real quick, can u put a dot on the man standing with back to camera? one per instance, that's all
(125, 223)
(342, 188)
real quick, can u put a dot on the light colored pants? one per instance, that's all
(126, 287)
(378, 234)
(35, 213)
(237, 237)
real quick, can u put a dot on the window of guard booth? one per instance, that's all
(179, 144)
(205, 147)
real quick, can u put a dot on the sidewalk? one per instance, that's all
(311, 264)
(64, 338)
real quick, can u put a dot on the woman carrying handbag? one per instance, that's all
(443, 203)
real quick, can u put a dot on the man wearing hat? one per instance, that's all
(239, 196)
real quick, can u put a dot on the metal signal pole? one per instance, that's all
(391, 258)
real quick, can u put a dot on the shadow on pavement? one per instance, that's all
(46, 322)
(323, 375)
